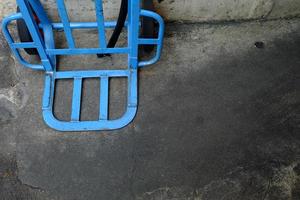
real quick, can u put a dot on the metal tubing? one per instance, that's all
(86, 25)
(133, 32)
(100, 23)
(27, 15)
(62, 11)
(79, 51)
(104, 95)
(91, 74)
(76, 100)
(159, 40)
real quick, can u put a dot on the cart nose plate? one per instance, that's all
(103, 122)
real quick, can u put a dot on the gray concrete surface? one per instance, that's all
(181, 10)
(218, 119)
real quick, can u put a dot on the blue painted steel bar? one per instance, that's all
(91, 74)
(100, 23)
(27, 15)
(65, 20)
(87, 51)
(104, 93)
(16, 52)
(39, 67)
(132, 90)
(6, 21)
(76, 100)
(161, 31)
(46, 24)
(90, 125)
(133, 35)
(148, 41)
(47, 97)
(40, 12)
(133, 32)
(23, 45)
(86, 25)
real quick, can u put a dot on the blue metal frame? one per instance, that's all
(45, 46)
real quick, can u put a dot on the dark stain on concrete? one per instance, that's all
(7, 75)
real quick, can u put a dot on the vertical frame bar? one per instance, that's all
(132, 89)
(133, 37)
(76, 100)
(104, 93)
(100, 22)
(66, 22)
(47, 27)
(34, 32)
(39, 11)
(133, 32)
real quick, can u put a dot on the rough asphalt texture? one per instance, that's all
(218, 119)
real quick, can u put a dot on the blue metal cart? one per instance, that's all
(41, 32)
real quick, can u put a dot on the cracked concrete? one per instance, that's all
(218, 119)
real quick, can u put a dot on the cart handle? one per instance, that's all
(156, 41)
(16, 46)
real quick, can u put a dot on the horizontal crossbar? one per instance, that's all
(84, 25)
(92, 74)
(77, 51)
(149, 41)
(23, 45)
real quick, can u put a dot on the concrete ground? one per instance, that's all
(177, 10)
(218, 119)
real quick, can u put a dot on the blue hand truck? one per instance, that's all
(41, 41)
